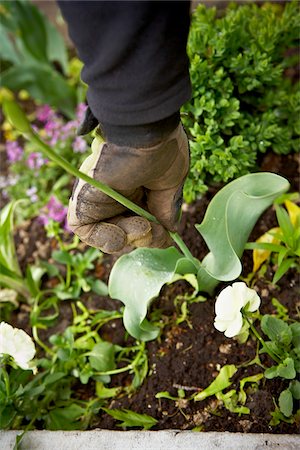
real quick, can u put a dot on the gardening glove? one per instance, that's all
(151, 177)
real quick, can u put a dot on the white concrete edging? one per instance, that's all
(147, 440)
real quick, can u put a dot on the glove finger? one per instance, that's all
(165, 205)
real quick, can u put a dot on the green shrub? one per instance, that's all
(242, 102)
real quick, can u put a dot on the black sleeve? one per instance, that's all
(134, 55)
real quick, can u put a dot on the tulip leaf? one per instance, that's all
(229, 220)
(137, 278)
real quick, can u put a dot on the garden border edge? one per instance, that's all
(150, 440)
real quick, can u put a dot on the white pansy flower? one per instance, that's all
(228, 307)
(18, 344)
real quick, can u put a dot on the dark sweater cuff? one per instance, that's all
(139, 135)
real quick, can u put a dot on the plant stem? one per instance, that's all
(6, 380)
(106, 190)
(263, 343)
(176, 238)
(97, 184)
(39, 342)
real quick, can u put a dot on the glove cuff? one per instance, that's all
(143, 136)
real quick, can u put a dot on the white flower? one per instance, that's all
(229, 305)
(18, 344)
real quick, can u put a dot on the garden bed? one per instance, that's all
(189, 352)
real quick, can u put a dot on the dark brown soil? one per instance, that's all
(188, 356)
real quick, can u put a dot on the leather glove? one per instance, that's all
(152, 177)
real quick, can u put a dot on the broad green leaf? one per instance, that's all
(99, 287)
(66, 418)
(294, 387)
(221, 382)
(131, 418)
(276, 329)
(8, 51)
(43, 83)
(295, 328)
(56, 48)
(32, 30)
(136, 279)
(102, 357)
(229, 219)
(286, 402)
(286, 370)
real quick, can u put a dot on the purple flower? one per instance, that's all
(54, 210)
(35, 160)
(45, 113)
(79, 145)
(31, 192)
(80, 112)
(14, 151)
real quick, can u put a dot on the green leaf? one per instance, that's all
(276, 329)
(102, 357)
(221, 382)
(131, 418)
(286, 369)
(62, 256)
(283, 268)
(250, 379)
(66, 418)
(43, 83)
(295, 328)
(32, 29)
(286, 402)
(99, 287)
(294, 387)
(104, 392)
(229, 219)
(286, 225)
(136, 279)
(56, 48)
(8, 51)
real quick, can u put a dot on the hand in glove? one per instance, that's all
(152, 177)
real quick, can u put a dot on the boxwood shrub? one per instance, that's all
(243, 102)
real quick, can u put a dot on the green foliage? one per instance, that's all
(221, 382)
(284, 343)
(285, 248)
(31, 47)
(242, 103)
(130, 418)
(76, 279)
(27, 286)
(226, 227)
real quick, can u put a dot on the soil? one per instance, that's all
(187, 356)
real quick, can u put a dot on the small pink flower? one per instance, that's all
(80, 112)
(45, 113)
(35, 160)
(31, 192)
(79, 145)
(54, 210)
(14, 151)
